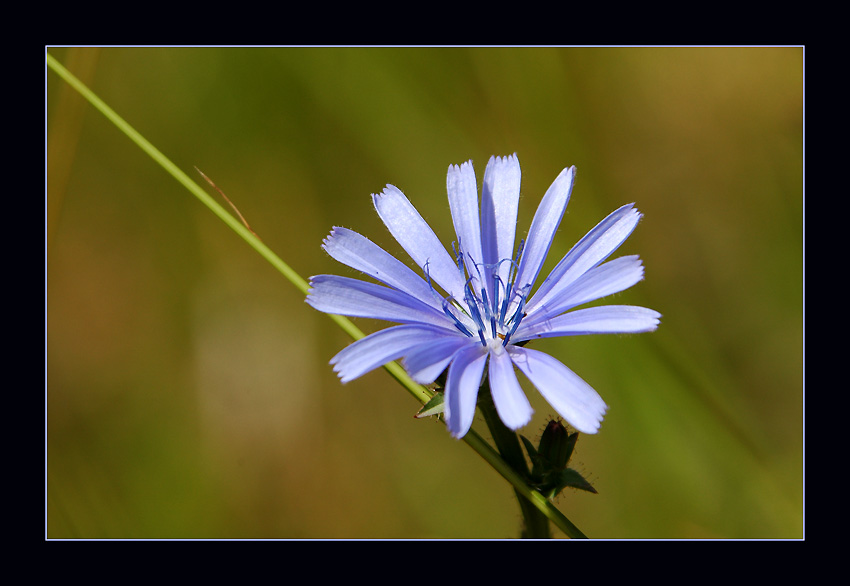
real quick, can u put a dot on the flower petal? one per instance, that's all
(600, 281)
(381, 347)
(425, 362)
(499, 205)
(605, 319)
(546, 220)
(569, 395)
(352, 297)
(510, 400)
(462, 384)
(360, 253)
(463, 201)
(416, 237)
(592, 249)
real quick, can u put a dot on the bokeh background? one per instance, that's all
(188, 393)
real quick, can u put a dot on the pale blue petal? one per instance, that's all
(592, 249)
(605, 319)
(600, 281)
(360, 253)
(427, 361)
(546, 220)
(462, 384)
(569, 395)
(510, 400)
(499, 205)
(382, 347)
(352, 297)
(416, 237)
(463, 201)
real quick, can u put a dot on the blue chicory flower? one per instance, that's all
(487, 309)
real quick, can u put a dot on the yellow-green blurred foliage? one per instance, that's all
(188, 387)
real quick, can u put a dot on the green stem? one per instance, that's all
(536, 525)
(550, 511)
(420, 393)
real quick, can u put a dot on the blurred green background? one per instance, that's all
(188, 390)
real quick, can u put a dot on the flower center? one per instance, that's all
(495, 311)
